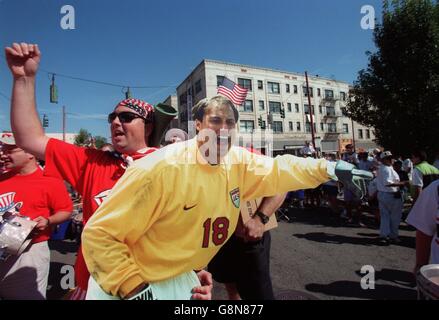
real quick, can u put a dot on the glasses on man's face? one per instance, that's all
(6, 151)
(124, 117)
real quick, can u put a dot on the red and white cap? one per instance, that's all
(7, 138)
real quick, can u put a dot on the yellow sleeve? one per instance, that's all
(123, 218)
(265, 176)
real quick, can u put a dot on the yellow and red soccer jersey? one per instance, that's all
(170, 213)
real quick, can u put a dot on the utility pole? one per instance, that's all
(310, 112)
(353, 134)
(64, 123)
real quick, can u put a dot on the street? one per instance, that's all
(315, 256)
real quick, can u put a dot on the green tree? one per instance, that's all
(99, 141)
(86, 139)
(398, 93)
(83, 138)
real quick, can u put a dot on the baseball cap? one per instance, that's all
(7, 138)
(175, 132)
(385, 154)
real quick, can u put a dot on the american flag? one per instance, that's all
(232, 91)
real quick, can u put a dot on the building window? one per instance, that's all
(277, 127)
(273, 87)
(320, 109)
(318, 92)
(296, 105)
(343, 96)
(305, 92)
(264, 125)
(330, 111)
(197, 86)
(306, 108)
(289, 107)
(183, 98)
(308, 127)
(261, 105)
(345, 128)
(298, 126)
(274, 106)
(247, 106)
(294, 88)
(367, 134)
(322, 129)
(287, 88)
(343, 111)
(360, 133)
(260, 85)
(219, 80)
(246, 126)
(332, 127)
(291, 125)
(245, 83)
(329, 93)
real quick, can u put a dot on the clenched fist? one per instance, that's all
(23, 59)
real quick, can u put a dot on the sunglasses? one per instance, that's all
(124, 117)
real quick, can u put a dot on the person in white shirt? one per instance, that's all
(424, 216)
(389, 199)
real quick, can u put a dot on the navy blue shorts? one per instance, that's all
(247, 265)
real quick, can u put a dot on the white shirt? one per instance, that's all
(386, 175)
(424, 216)
(417, 178)
(407, 166)
(372, 187)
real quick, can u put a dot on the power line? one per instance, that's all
(5, 96)
(102, 82)
(106, 83)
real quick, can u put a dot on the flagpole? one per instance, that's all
(310, 112)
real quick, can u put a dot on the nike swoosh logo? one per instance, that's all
(188, 208)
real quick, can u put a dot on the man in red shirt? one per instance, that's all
(42, 199)
(91, 172)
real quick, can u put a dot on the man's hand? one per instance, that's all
(23, 59)
(254, 229)
(42, 224)
(352, 178)
(203, 292)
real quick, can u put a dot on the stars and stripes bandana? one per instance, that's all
(141, 107)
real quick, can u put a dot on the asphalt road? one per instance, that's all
(315, 256)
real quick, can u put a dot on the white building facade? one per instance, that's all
(269, 91)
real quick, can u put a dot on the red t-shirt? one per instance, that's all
(34, 195)
(92, 173)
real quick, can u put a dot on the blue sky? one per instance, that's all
(157, 43)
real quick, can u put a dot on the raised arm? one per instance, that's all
(23, 60)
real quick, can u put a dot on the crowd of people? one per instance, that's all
(160, 222)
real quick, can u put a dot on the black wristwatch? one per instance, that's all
(263, 217)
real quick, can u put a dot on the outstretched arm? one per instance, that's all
(23, 60)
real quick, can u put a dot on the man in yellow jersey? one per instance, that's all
(172, 211)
